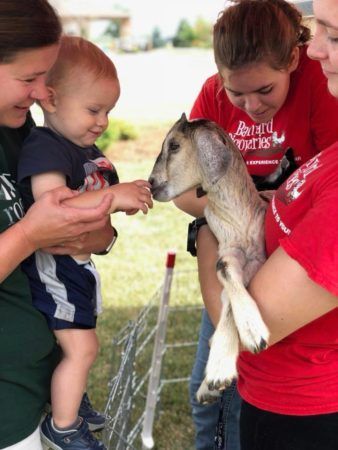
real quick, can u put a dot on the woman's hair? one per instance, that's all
(77, 56)
(26, 24)
(252, 31)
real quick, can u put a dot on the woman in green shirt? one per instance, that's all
(29, 41)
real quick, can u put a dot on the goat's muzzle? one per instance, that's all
(158, 190)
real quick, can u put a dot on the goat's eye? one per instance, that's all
(173, 146)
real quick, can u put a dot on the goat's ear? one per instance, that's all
(213, 154)
(183, 118)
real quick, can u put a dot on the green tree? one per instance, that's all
(113, 29)
(185, 35)
(203, 33)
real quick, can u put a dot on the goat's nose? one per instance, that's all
(151, 180)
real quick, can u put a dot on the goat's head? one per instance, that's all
(194, 153)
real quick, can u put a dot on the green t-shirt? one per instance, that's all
(28, 352)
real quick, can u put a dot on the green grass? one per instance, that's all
(131, 274)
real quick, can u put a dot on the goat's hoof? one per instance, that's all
(208, 399)
(258, 348)
(253, 332)
(262, 346)
(206, 396)
(218, 385)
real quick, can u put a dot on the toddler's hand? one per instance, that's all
(132, 196)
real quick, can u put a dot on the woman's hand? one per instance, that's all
(49, 222)
(93, 242)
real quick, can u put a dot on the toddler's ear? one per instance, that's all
(49, 103)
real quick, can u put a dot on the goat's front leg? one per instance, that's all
(252, 330)
(221, 366)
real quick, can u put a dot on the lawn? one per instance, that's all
(132, 273)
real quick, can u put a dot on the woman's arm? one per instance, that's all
(211, 288)
(191, 204)
(287, 298)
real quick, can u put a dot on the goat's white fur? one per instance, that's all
(199, 153)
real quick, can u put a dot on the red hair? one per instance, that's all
(76, 56)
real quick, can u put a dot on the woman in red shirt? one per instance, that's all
(290, 390)
(268, 95)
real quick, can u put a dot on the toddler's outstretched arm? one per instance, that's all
(129, 197)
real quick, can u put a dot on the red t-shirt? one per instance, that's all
(307, 121)
(299, 374)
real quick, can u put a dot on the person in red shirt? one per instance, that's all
(269, 96)
(290, 390)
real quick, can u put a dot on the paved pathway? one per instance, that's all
(161, 84)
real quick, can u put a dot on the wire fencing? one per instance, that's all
(147, 357)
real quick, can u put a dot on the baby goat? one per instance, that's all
(200, 154)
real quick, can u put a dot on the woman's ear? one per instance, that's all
(294, 60)
(49, 103)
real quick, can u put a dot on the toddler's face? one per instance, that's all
(81, 114)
